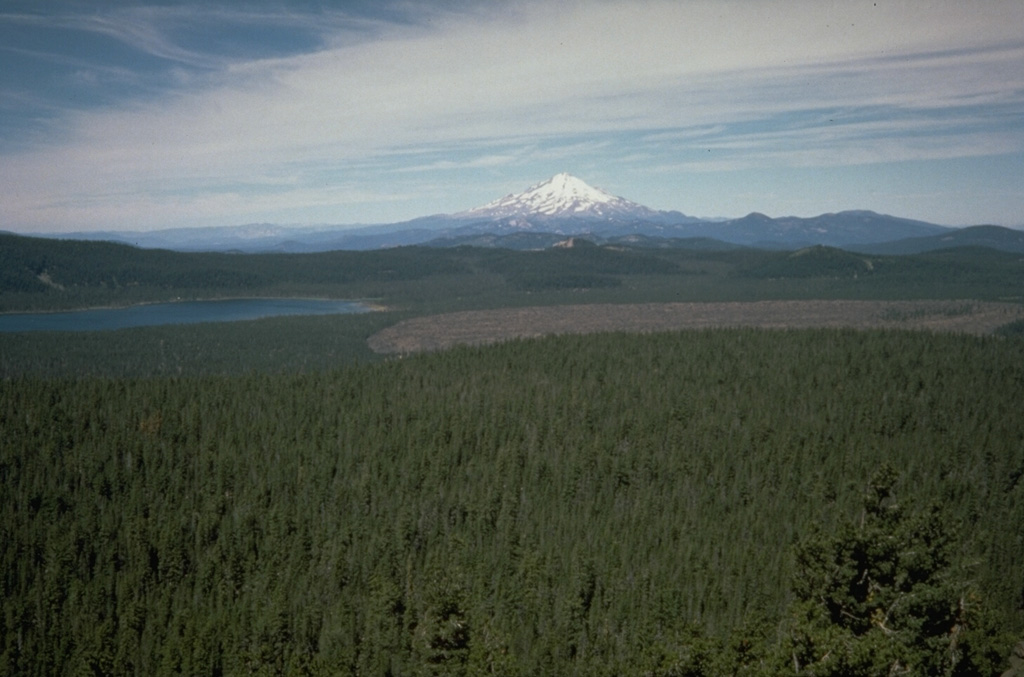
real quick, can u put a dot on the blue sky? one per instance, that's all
(140, 116)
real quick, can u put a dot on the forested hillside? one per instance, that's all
(38, 274)
(679, 503)
(44, 274)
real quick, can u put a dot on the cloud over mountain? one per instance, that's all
(132, 116)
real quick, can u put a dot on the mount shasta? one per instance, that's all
(564, 206)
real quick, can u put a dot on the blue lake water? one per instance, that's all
(183, 312)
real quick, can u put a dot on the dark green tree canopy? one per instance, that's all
(880, 596)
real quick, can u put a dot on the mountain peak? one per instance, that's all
(561, 196)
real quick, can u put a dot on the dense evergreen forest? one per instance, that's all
(270, 497)
(691, 503)
(39, 274)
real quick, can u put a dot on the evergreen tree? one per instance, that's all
(443, 635)
(880, 596)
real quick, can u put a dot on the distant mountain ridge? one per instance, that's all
(836, 230)
(565, 206)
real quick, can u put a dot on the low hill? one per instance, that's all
(44, 274)
(40, 273)
(992, 237)
(816, 261)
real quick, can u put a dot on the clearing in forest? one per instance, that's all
(474, 327)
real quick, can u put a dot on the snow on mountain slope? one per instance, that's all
(560, 207)
(561, 196)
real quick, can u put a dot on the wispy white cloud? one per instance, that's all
(476, 87)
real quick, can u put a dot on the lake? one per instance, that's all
(182, 312)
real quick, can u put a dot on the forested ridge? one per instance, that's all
(715, 502)
(38, 274)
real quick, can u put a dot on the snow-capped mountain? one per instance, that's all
(545, 213)
(563, 196)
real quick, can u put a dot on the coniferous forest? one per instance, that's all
(690, 503)
(271, 497)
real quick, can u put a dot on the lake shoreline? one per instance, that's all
(370, 304)
(181, 311)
